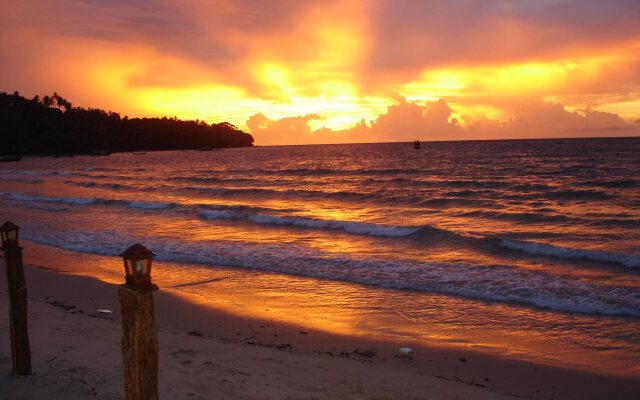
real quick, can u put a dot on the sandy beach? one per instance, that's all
(206, 353)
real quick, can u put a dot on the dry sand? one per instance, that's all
(208, 354)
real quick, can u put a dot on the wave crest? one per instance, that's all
(498, 283)
(566, 252)
(359, 228)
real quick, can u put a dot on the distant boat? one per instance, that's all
(417, 145)
(139, 153)
(10, 158)
(206, 148)
(63, 155)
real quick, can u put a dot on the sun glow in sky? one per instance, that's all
(338, 70)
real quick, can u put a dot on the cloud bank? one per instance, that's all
(406, 121)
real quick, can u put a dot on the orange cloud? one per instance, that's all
(289, 130)
(406, 121)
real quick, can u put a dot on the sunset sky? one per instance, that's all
(295, 72)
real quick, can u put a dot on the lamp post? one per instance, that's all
(20, 350)
(139, 337)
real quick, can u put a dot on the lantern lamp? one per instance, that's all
(137, 267)
(9, 233)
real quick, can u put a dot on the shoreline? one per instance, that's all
(349, 309)
(204, 350)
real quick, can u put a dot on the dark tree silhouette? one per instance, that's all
(46, 101)
(50, 124)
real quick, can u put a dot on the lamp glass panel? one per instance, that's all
(129, 264)
(5, 236)
(12, 235)
(141, 269)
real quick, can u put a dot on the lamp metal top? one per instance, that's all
(10, 226)
(137, 252)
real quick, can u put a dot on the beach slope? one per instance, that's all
(207, 354)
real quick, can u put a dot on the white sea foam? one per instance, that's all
(62, 200)
(90, 184)
(141, 205)
(500, 283)
(45, 207)
(359, 228)
(45, 173)
(565, 252)
(221, 214)
(147, 205)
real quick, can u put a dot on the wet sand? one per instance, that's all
(209, 353)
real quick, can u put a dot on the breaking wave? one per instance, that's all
(284, 217)
(359, 228)
(499, 283)
(565, 252)
(142, 205)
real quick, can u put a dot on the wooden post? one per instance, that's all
(139, 335)
(139, 344)
(20, 350)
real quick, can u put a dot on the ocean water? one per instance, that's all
(536, 239)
